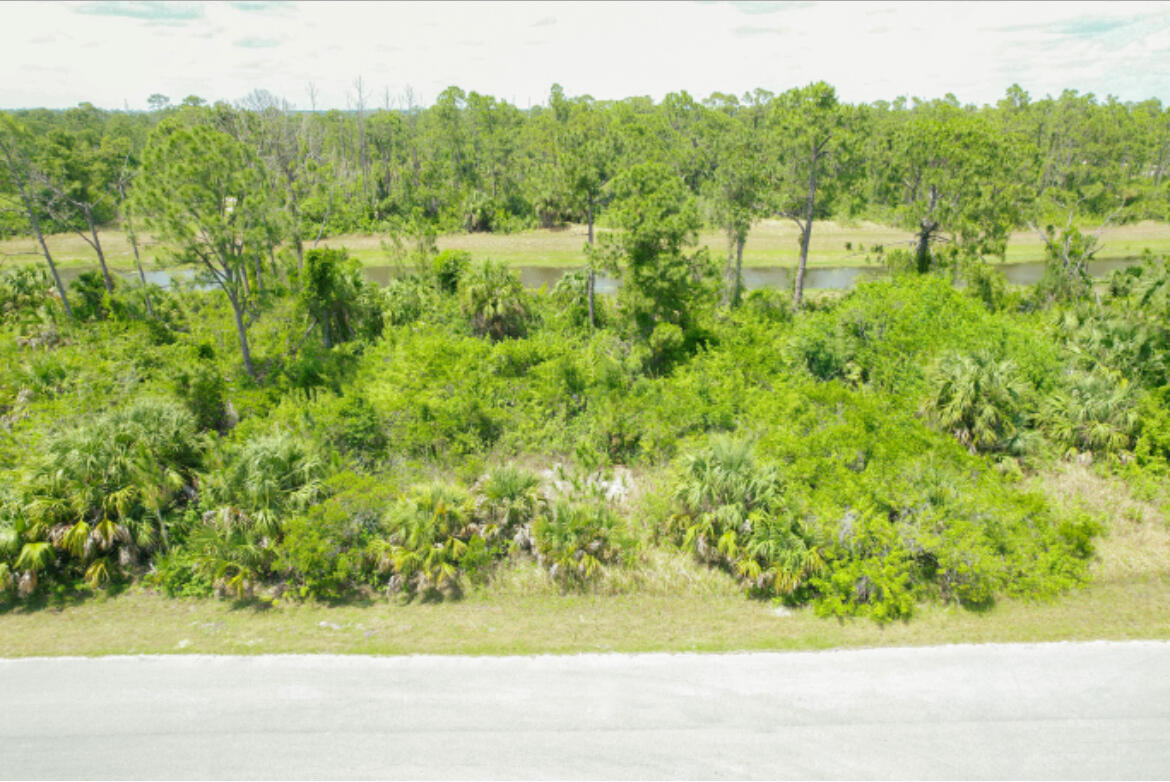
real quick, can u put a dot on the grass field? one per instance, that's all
(673, 606)
(771, 243)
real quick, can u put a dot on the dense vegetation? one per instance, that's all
(288, 427)
(862, 455)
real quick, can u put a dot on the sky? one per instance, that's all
(116, 54)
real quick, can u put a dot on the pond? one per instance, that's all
(818, 278)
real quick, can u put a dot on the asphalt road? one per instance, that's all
(1045, 711)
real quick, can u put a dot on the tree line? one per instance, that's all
(229, 187)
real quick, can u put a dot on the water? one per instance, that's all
(533, 277)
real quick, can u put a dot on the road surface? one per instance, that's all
(1043, 711)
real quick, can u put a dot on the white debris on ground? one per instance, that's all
(614, 483)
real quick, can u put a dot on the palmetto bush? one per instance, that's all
(1114, 340)
(23, 291)
(733, 515)
(1089, 411)
(494, 301)
(264, 479)
(980, 400)
(507, 500)
(249, 493)
(99, 501)
(431, 544)
(577, 537)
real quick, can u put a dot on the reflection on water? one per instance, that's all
(819, 278)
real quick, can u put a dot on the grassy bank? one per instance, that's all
(672, 605)
(771, 243)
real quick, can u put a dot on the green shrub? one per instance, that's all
(1091, 412)
(494, 301)
(204, 393)
(329, 551)
(407, 300)
(980, 400)
(432, 547)
(449, 267)
(577, 538)
(97, 502)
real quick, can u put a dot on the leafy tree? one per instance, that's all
(587, 157)
(15, 143)
(204, 193)
(736, 192)
(76, 170)
(812, 140)
(337, 297)
(664, 280)
(946, 178)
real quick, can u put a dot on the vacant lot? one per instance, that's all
(771, 243)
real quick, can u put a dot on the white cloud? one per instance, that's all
(110, 53)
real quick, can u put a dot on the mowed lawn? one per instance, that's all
(672, 605)
(771, 243)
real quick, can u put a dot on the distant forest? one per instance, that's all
(472, 162)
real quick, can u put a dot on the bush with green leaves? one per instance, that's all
(248, 493)
(506, 501)
(494, 301)
(1092, 412)
(407, 299)
(886, 333)
(449, 267)
(356, 429)
(432, 546)
(24, 290)
(338, 299)
(876, 490)
(97, 503)
(203, 390)
(980, 400)
(577, 538)
(331, 550)
(733, 515)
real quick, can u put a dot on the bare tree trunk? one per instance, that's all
(97, 246)
(259, 271)
(241, 330)
(36, 226)
(922, 254)
(740, 241)
(48, 257)
(729, 268)
(591, 285)
(805, 235)
(133, 237)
